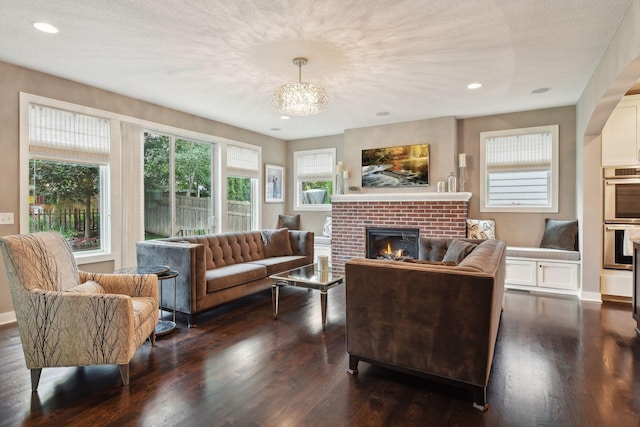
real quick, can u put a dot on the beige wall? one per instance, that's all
(14, 80)
(522, 229)
(440, 133)
(448, 137)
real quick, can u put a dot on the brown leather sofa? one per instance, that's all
(215, 269)
(432, 320)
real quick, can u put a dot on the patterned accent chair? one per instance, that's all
(68, 317)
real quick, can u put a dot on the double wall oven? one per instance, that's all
(621, 216)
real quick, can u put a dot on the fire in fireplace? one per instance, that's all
(392, 243)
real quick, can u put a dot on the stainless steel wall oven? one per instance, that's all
(622, 195)
(621, 216)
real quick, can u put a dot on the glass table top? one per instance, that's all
(309, 274)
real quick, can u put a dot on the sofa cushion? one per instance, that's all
(458, 250)
(276, 243)
(292, 222)
(233, 275)
(542, 253)
(279, 264)
(88, 287)
(481, 229)
(432, 249)
(559, 234)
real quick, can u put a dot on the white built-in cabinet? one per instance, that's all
(621, 134)
(543, 275)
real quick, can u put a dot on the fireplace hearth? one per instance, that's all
(392, 243)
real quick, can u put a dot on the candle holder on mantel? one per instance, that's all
(462, 164)
(341, 178)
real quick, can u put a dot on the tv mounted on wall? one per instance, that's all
(405, 165)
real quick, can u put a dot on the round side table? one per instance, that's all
(165, 326)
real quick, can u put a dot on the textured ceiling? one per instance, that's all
(413, 58)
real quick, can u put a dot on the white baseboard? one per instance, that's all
(591, 296)
(6, 318)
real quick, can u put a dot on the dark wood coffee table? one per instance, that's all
(308, 277)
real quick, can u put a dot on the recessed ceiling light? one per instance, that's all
(474, 85)
(285, 117)
(276, 129)
(45, 28)
(382, 113)
(541, 90)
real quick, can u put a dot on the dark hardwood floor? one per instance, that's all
(558, 362)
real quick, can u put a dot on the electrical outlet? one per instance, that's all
(6, 218)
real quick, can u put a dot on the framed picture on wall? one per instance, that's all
(274, 184)
(404, 165)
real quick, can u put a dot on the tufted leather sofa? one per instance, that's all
(218, 268)
(435, 321)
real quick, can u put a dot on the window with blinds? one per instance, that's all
(314, 177)
(243, 170)
(64, 135)
(242, 158)
(519, 170)
(69, 156)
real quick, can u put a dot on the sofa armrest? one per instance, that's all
(134, 285)
(185, 258)
(302, 243)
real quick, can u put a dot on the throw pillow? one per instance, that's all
(458, 250)
(276, 243)
(292, 222)
(88, 287)
(560, 234)
(426, 261)
(326, 228)
(481, 229)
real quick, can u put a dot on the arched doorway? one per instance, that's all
(589, 163)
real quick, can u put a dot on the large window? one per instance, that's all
(177, 186)
(314, 172)
(68, 169)
(519, 170)
(243, 170)
(105, 183)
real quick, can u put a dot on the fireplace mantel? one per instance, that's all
(402, 197)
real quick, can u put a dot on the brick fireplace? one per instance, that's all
(434, 214)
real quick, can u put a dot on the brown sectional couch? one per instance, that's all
(215, 269)
(435, 321)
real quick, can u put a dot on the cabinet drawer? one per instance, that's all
(520, 272)
(558, 275)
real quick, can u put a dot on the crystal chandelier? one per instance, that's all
(301, 98)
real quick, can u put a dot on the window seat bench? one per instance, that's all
(542, 269)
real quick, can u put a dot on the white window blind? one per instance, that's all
(519, 169)
(309, 165)
(520, 151)
(242, 158)
(63, 135)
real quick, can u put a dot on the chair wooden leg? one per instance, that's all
(124, 373)
(35, 378)
(152, 338)
(353, 365)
